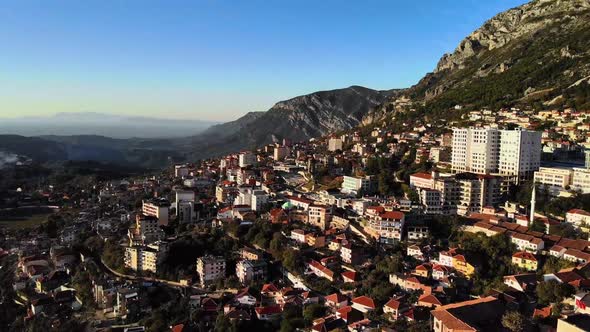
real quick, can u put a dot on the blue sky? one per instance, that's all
(216, 59)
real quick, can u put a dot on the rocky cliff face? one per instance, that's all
(300, 118)
(318, 114)
(530, 54)
(513, 24)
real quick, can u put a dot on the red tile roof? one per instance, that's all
(525, 255)
(431, 299)
(321, 268)
(425, 176)
(335, 298)
(270, 310)
(393, 304)
(364, 301)
(351, 275)
(579, 211)
(392, 215)
(178, 328)
(267, 288)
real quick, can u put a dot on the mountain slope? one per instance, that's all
(529, 55)
(225, 129)
(147, 153)
(299, 118)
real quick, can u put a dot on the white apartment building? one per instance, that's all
(158, 208)
(319, 216)
(520, 153)
(558, 180)
(554, 179)
(475, 150)
(181, 171)
(385, 226)
(145, 258)
(246, 158)
(185, 212)
(334, 144)
(184, 195)
(431, 200)
(581, 180)
(210, 268)
(250, 270)
(435, 154)
(255, 198)
(146, 229)
(422, 180)
(514, 154)
(578, 217)
(280, 152)
(354, 185)
(462, 193)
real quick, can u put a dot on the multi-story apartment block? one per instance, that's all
(527, 243)
(319, 215)
(185, 212)
(246, 158)
(476, 192)
(520, 153)
(225, 192)
(334, 144)
(251, 270)
(181, 171)
(210, 268)
(578, 217)
(145, 258)
(280, 152)
(554, 179)
(462, 193)
(354, 185)
(146, 229)
(384, 226)
(422, 180)
(513, 154)
(158, 208)
(250, 254)
(581, 180)
(245, 176)
(475, 150)
(184, 195)
(255, 198)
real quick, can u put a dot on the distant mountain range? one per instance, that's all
(536, 55)
(299, 118)
(110, 125)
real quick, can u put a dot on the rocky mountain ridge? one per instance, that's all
(528, 56)
(300, 118)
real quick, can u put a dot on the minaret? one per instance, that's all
(533, 196)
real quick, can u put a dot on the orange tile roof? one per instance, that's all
(429, 298)
(393, 304)
(269, 288)
(422, 175)
(525, 255)
(364, 301)
(579, 211)
(335, 298)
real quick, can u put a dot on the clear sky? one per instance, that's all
(217, 59)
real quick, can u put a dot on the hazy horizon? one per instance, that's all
(101, 124)
(217, 60)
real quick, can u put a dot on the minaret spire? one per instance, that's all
(533, 197)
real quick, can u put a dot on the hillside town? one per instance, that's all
(481, 227)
